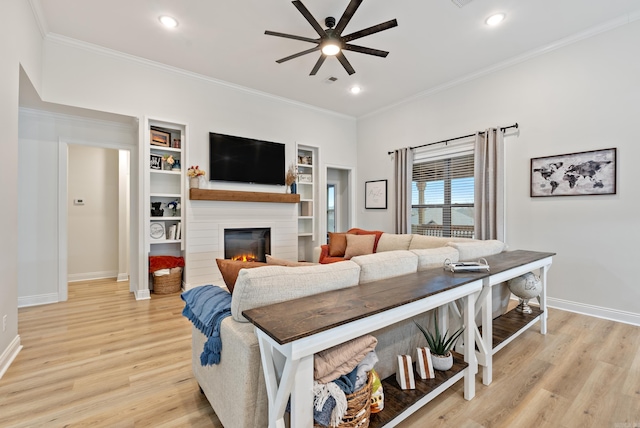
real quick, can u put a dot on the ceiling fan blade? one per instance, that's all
(314, 23)
(371, 30)
(368, 51)
(345, 63)
(291, 36)
(296, 55)
(318, 65)
(346, 16)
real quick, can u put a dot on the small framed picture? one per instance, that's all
(156, 161)
(160, 138)
(157, 232)
(375, 194)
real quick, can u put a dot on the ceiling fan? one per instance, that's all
(331, 41)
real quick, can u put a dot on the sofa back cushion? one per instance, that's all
(274, 284)
(384, 265)
(471, 251)
(429, 258)
(419, 242)
(394, 241)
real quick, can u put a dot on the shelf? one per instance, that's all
(165, 195)
(305, 234)
(165, 149)
(166, 171)
(398, 400)
(511, 324)
(165, 218)
(166, 241)
(241, 196)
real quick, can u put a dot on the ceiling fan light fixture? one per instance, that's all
(331, 48)
(495, 19)
(168, 21)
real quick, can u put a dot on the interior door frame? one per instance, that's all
(351, 189)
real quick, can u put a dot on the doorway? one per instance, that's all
(339, 212)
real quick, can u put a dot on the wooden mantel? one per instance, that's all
(240, 196)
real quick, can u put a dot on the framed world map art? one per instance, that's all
(574, 174)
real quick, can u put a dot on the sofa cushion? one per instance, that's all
(274, 284)
(358, 245)
(230, 268)
(282, 262)
(429, 258)
(386, 265)
(337, 244)
(470, 251)
(423, 241)
(394, 241)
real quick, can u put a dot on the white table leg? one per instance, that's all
(487, 334)
(542, 299)
(302, 394)
(469, 350)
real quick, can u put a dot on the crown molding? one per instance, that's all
(67, 41)
(38, 13)
(591, 32)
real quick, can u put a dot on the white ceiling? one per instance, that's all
(435, 43)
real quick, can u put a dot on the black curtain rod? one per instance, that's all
(504, 128)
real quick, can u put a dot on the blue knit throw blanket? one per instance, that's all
(206, 306)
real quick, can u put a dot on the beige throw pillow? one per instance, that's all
(359, 245)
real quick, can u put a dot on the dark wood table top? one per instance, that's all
(294, 319)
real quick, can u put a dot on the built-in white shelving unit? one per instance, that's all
(307, 157)
(164, 226)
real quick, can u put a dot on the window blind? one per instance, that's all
(443, 195)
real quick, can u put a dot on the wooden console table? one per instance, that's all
(496, 334)
(290, 333)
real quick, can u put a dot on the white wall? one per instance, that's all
(21, 45)
(41, 134)
(93, 176)
(85, 76)
(583, 96)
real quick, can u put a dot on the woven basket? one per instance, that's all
(358, 407)
(167, 284)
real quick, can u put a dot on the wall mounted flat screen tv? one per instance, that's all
(245, 160)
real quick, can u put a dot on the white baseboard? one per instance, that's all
(9, 355)
(41, 299)
(122, 277)
(142, 294)
(595, 311)
(88, 276)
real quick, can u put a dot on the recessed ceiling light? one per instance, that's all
(494, 20)
(355, 89)
(168, 21)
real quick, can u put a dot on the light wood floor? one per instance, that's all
(105, 359)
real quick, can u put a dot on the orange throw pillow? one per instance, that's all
(359, 245)
(230, 268)
(337, 244)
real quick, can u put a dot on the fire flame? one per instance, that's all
(245, 257)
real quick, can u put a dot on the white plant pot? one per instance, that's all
(442, 363)
(194, 183)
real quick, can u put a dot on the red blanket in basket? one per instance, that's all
(164, 262)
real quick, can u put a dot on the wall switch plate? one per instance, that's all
(4, 323)
(78, 202)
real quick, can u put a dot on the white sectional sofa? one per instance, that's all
(236, 388)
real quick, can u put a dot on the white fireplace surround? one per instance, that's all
(207, 221)
(223, 227)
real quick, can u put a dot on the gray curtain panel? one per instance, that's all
(403, 170)
(489, 184)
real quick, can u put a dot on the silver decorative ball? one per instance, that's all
(527, 286)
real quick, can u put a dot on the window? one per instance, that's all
(443, 196)
(331, 208)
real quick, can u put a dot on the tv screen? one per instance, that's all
(245, 160)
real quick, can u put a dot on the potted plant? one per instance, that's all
(194, 173)
(290, 178)
(440, 345)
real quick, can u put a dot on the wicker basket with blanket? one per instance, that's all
(167, 284)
